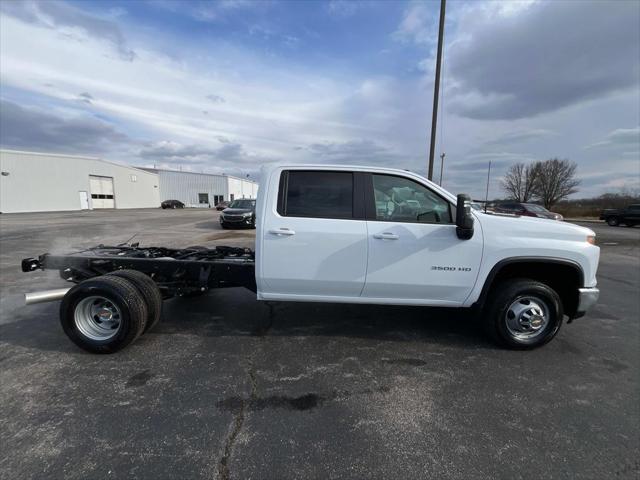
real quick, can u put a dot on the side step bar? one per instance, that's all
(45, 296)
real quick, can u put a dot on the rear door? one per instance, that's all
(313, 236)
(415, 255)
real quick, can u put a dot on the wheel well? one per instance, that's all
(565, 278)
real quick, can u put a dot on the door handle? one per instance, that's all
(282, 231)
(386, 236)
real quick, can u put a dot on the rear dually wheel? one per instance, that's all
(103, 314)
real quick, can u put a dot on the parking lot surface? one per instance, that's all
(228, 387)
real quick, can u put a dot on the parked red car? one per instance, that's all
(527, 210)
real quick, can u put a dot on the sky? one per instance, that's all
(229, 86)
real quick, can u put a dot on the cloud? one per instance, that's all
(621, 137)
(226, 154)
(517, 137)
(544, 57)
(206, 10)
(215, 98)
(356, 152)
(344, 8)
(62, 16)
(32, 129)
(85, 97)
(417, 25)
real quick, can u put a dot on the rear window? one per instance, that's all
(316, 194)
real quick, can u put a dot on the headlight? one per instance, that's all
(247, 214)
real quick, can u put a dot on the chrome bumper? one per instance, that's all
(587, 298)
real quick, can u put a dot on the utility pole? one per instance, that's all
(486, 196)
(442, 155)
(436, 89)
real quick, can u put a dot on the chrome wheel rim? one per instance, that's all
(527, 317)
(97, 318)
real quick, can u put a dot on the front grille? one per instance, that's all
(233, 218)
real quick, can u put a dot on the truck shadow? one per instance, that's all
(234, 312)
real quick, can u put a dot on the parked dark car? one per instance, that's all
(527, 210)
(629, 216)
(241, 213)
(172, 204)
(222, 205)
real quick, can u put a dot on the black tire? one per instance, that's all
(506, 294)
(132, 312)
(612, 222)
(149, 291)
(224, 227)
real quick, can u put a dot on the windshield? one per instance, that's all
(244, 203)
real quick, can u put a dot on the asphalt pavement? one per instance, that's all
(228, 387)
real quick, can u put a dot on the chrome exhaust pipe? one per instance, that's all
(45, 296)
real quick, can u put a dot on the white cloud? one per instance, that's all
(417, 25)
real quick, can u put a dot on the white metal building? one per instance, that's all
(38, 182)
(202, 189)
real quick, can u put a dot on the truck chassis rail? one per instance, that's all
(175, 271)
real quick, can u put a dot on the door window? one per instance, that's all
(317, 194)
(399, 199)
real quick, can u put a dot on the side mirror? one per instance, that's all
(464, 218)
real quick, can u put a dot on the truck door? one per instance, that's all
(312, 240)
(414, 253)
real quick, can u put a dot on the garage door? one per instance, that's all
(102, 192)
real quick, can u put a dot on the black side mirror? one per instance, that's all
(464, 218)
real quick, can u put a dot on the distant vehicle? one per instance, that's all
(241, 213)
(629, 216)
(527, 210)
(222, 205)
(172, 204)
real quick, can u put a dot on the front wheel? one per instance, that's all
(612, 221)
(523, 314)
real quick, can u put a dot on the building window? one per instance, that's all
(134, 178)
(203, 198)
(231, 197)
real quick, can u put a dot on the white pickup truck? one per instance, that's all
(353, 235)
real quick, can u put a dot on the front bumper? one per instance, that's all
(235, 220)
(587, 298)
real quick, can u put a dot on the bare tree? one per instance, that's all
(519, 181)
(555, 180)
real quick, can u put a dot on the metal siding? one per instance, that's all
(41, 182)
(186, 186)
(241, 188)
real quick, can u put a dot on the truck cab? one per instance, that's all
(376, 235)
